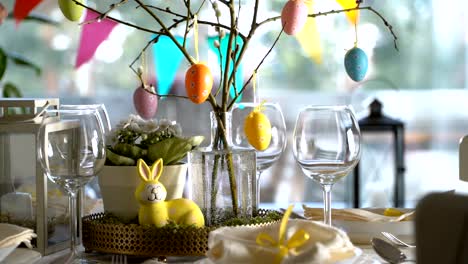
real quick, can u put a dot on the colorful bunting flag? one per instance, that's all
(353, 16)
(92, 35)
(309, 37)
(239, 81)
(3, 13)
(23, 8)
(167, 59)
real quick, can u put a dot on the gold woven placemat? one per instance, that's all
(133, 239)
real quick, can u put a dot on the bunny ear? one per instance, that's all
(156, 170)
(143, 170)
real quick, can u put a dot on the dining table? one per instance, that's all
(365, 254)
(28, 256)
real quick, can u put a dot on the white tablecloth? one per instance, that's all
(23, 255)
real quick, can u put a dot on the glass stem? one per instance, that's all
(257, 192)
(73, 221)
(327, 203)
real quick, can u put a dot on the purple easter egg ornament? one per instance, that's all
(146, 103)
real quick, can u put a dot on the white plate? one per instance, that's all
(352, 260)
(357, 254)
(5, 251)
(22, 256)
(362, 232)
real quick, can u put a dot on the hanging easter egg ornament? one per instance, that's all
(294, 16)
(198, 78)
(356, 64)
(257, 129)
(145, 102)
(71, 10)
(198, 83)
(145, 99)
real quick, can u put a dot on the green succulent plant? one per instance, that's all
(150, 140)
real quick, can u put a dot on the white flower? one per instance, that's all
(177, 129)
(135, 127)
(150, 126)
(165, 123)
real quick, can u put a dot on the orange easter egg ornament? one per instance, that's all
(257, 128)
(198, 83)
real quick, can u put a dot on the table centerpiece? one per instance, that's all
(221, 163)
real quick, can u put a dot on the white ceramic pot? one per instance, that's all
(118, 185)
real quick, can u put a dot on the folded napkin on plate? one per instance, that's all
(302, 241)
(13, 235)
(355, 214)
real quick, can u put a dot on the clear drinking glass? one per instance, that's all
(71, 151)
(267, 157)
(327, 146)
(222, 176)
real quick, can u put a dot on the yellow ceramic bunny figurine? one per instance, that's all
(151, 195)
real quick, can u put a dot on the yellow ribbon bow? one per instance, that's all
(299, 238)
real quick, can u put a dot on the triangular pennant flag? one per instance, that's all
(167, 59)
(353, 16)
(239, 81)
(3, 13)
(309, 37)
(92, 35)
(23, 8)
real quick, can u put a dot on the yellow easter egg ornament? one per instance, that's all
(257, 129)
(71, 10)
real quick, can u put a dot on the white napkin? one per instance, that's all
(13, 235)
(355, 214)
(238, 244)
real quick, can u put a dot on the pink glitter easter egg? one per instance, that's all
(146, 103)
(294, 16)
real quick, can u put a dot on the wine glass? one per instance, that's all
(327, 146)
(71, 151)
(270, 155)
(101, 110)
(92, 189)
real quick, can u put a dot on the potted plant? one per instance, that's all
(136, 138)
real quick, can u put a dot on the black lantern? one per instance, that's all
(378, 124)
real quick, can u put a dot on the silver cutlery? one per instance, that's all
(395, 240)
(389, 252)
(119, 259)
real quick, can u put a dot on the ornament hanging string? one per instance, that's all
(144, 72)
(356, 34)
(195, 36)
(260, 107)
(356, 27)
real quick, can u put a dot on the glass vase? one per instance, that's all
(222, 177)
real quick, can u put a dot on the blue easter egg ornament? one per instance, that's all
(356, 63)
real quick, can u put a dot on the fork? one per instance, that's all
(119, 259)
(395, 240)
